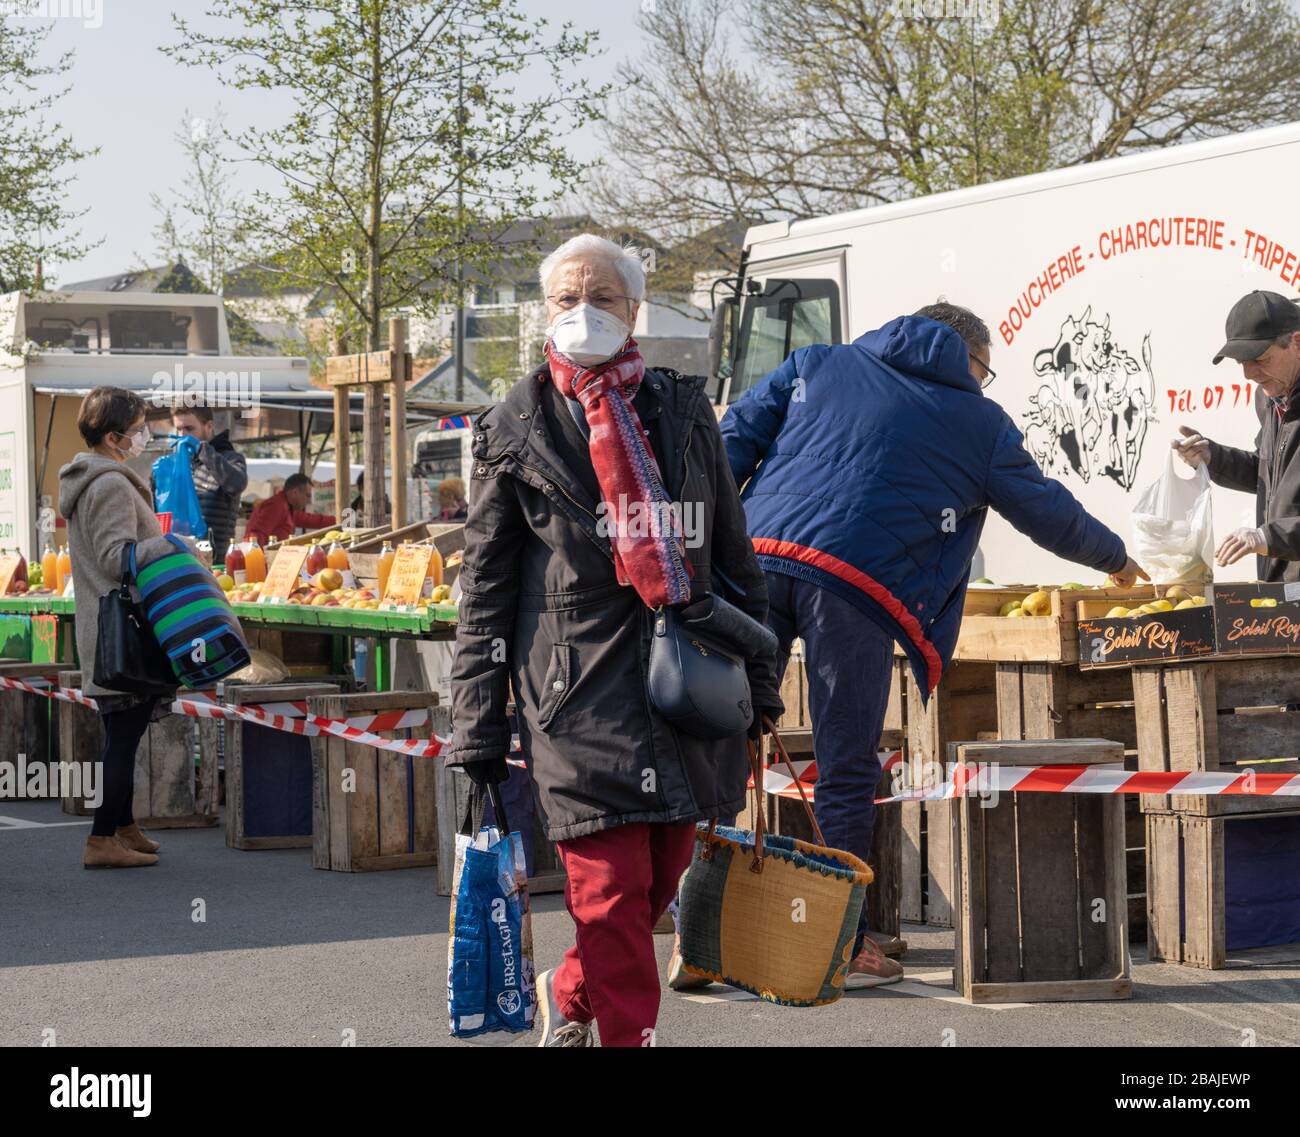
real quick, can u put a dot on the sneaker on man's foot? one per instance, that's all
(891, 946)
(871, 968)
(556, 1029)
(679, 979)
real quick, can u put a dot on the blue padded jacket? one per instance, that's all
(868, 468)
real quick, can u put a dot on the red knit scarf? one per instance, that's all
(644, 531)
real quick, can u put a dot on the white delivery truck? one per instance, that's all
(1105, 288)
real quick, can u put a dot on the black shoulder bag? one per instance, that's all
(128, 657)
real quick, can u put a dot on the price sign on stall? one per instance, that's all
(283, 575)
(8, 566)
(406, 578)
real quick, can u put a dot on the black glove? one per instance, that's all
(491, 771)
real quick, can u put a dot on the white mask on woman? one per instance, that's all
(588, 335)
(139, 440)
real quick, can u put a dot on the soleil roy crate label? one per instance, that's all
(1165, 635)
(1257, 617)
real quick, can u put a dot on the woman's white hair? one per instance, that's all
(626, 261)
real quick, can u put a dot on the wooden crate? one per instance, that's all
(1191, 887)
(963, 707)
(453, 796)
(1220, 715)
(29, 723)
(1056, 700)
(374, 809)
(447, 536)
(1033, 875)
(175, 782)
(81, 742)
(268, 772)
(1053, 638)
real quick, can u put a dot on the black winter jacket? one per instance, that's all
(542, 613)
(220, 476)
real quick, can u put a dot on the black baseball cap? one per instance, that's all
(1255, 322)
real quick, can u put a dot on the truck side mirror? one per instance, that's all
(721, 336)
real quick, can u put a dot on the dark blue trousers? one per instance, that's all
(849, 660)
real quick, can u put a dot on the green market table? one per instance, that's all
(32, 628)
(437, 622)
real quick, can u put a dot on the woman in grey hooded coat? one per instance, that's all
(108, 507)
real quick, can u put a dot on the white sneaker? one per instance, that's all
(556, 1029)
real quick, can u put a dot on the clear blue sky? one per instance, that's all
(129, 99)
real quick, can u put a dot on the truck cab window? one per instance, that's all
(788, 314)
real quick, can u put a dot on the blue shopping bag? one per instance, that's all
(491, 983)
(174, 492)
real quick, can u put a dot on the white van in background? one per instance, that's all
(1105, 288)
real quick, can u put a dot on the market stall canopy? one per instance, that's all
(280, 412)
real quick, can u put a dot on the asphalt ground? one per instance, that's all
(288, 955)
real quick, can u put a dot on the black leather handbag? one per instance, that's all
(697, 677)
(128, 657)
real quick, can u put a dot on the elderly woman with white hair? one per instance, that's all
(563, 579)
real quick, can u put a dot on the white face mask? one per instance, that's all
(139, 440)
(587, 335)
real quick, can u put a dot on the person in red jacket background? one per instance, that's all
(281, 513)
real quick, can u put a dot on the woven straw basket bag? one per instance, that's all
(769, 914)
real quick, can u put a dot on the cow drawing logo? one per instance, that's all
(1092, 408)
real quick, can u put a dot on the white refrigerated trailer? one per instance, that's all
(1105, 288)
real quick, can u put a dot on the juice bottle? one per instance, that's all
(49, 567)
(337, 557)
(64, 573)
(236, 567)
(255, 563)
(316, 560)
(386, 556)
(433, 577)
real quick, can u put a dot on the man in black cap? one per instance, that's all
(1264, 337)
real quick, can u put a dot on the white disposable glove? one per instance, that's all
(1192, 448)
(1238, 544)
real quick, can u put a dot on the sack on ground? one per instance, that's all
(1173, 528)
(491, 985)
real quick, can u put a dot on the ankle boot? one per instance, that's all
(110, 853)
(133, 837)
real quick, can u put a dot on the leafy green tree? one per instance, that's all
(36, 154)
(407, 150)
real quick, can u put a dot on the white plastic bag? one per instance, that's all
(1173, 528)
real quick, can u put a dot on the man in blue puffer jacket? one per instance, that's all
(866, 471)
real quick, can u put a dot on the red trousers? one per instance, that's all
(621, 881)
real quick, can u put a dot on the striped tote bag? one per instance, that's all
(190, 615)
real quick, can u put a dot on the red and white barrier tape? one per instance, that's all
(292, 718)
(382, 720)
(986, 779)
